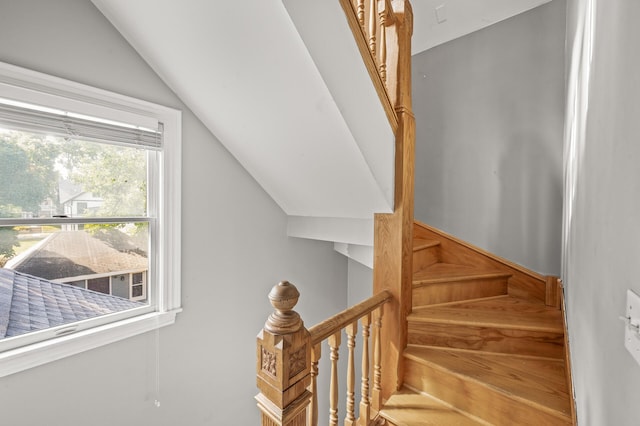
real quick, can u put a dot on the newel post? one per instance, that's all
(283, 364)
(393, 233)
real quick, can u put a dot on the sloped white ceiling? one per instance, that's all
(244, 70)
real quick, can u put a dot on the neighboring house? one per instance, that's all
(29, 303)
(108, 262)
(75, 202)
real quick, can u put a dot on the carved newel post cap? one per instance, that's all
(283, 297)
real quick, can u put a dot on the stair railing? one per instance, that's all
(288, 355)
(380, 28)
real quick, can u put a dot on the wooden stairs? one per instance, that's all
(486, 341)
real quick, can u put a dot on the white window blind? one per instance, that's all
(32, 118)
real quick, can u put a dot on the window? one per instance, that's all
(89, 217)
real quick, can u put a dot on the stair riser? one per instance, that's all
(523, 284)
(430, 294)
(475, 398)
(425, 257)
(489, 339)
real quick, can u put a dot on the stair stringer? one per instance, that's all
(523, 282)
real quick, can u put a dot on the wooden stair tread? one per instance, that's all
(503, 312)
(444, 272)
(410, 408)
(421, 243)
(538, 382)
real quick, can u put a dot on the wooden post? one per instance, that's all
(283, 362)
(393, 233)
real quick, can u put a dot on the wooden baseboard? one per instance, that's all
(567, 354)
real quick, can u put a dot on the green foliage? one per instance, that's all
(128, 237)
(32, 166)
(27, 174)
(113, 173)
(8, 240)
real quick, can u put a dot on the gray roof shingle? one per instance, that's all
(29, 303)
(76, 253)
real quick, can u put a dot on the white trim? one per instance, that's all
(72, 220)
(25, 85)
(335, 229)
(112, 274)
(34, 87)
(361, 254)
(23, 358)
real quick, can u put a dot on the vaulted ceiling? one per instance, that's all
(243, 68)
(281, 85)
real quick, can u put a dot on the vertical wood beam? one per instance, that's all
(283, 362)
(393, 233)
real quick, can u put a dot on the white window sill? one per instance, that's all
(23, 358)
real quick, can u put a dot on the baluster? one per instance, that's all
(334, 345)
(350, 419)
(373, 6)
(360, 11)
(365, 406)
(382, 13)
(316, 353)
(377, 369)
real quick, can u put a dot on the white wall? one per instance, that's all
(234, 246)
(489, 121)
(604, 232)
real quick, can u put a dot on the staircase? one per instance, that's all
(473, 339)
(486, 342)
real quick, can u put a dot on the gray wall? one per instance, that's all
(360, 282)
(234, 249)
(604, 237)
(489, 120)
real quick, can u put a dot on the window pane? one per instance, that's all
(44, 272)
(45, 176)
(101, 285)
(79, 283)
(137, 291)
(120, 285)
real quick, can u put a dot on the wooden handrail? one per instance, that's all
(328, 327)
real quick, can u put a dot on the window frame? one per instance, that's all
(42, 89)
